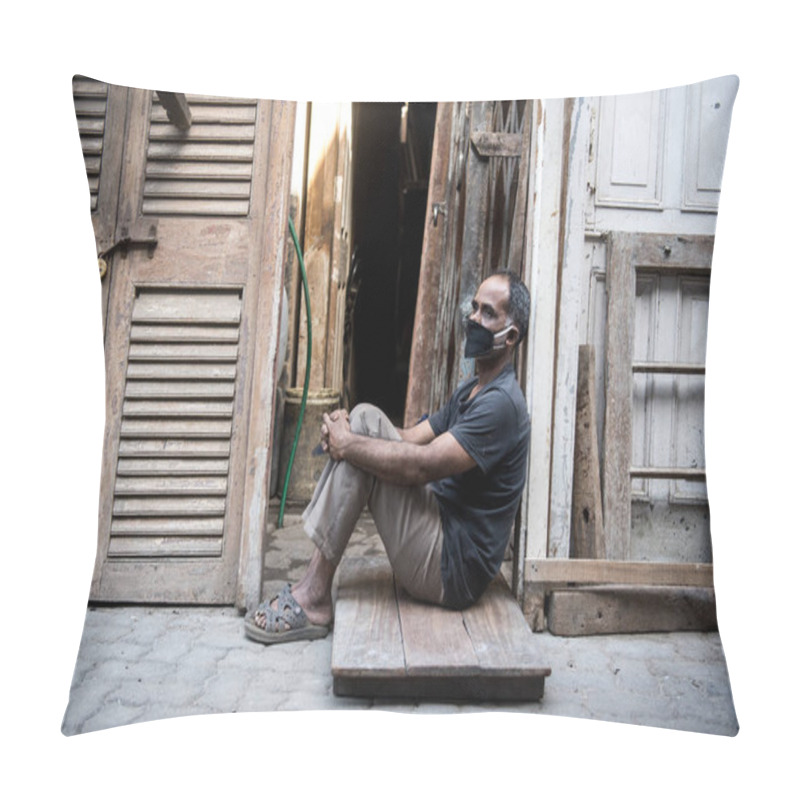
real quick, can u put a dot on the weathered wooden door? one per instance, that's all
(658, 287)
(475, 223)
(191, 336)
(477, 200)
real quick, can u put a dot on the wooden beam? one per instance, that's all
(586, 538)
(621, 285)
(272, 168)
(516, 247)
(177, 108)
(631, 609)
(553, 572)
(418, 394)
(473, 243)
(690, 254)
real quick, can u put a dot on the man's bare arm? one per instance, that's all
(421, 433)
(420, 459)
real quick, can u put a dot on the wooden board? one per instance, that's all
(387, 645)
(587, 538)
(631, 609)
(550, 573)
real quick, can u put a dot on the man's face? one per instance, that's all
(489, 309)
(490, 303)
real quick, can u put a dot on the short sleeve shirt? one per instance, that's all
(478, 507)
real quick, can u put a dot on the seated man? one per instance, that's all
(443, 493)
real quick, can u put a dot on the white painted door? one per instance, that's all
(655, 166)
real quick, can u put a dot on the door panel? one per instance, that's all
(654, 464)
(179, 350)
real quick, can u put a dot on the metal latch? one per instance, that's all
(126, 241)
(123, 243)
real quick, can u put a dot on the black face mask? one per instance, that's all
(480, 341)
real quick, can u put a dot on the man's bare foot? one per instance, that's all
(318, 613)
(283, 621)
(312, 593)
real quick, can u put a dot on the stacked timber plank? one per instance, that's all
(387, 645)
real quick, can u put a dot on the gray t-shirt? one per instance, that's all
(478, 506)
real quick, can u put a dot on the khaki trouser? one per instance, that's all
(407, 517)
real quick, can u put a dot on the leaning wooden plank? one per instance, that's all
(177, 109)
(587, 539)
(621, 284)
(367, 635)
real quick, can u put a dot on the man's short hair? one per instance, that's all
(519, 301)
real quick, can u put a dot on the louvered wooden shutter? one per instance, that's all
(91, 100)
(175, 436)
(205, 170)
(182, 472)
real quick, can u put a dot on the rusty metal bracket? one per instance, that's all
(125, 241)
(497, 143)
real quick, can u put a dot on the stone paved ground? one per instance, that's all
(140, 663)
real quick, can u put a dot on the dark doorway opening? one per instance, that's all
(391, 156)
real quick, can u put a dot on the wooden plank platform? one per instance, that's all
(387, 645)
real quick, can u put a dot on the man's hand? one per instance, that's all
(335, 429)
(417, 458)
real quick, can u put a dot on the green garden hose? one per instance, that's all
(308, 372)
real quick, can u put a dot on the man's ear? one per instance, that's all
(513, 336)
